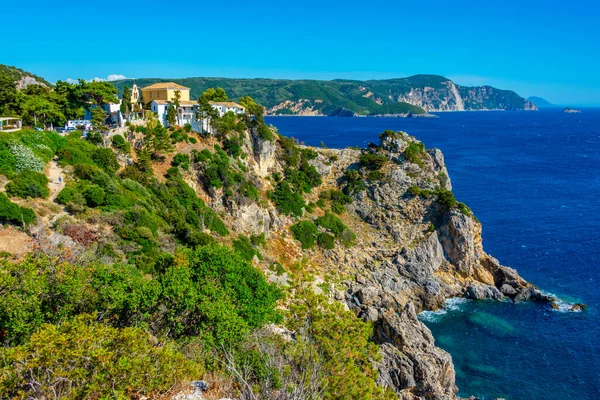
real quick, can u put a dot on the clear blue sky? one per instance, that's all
(545, 48)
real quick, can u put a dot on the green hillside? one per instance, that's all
(17, 73)
(325, 96)
(371, 97)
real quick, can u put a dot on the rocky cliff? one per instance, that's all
(405, 244)
(413, 250)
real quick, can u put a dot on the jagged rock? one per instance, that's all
(508, 290)
(422, 262)
(412, 365)
(482, 292)
(530, 293)
(264, 154)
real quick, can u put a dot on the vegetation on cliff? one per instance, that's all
(371, 97)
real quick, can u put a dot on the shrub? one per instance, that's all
(249, 190)
(337, 227)
(446, 199)
(181, 160)
(354, 182)
(218, 295)
(417, 191)
(187, 127)
(25, 159)
(233, 145)
(245, 248)
(94, 195)
(106, 159)
(8, 162)
(119, 143)
(28, 184)
(338, 208)
(464, 209)
(287, 200)
(374, 176)
(372, 161)
(346, 353)
(258, 240)
(306, 233)
(13, 214)
(415, 153)
(94, 138)
(326, 240)
(86, 359)
(265, 132)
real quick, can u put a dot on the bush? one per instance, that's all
(464, 209)
(94, 138)
(354, 182)
(265, 132)
(337, 227)
(8, 163)
(94, 195)
(25, 158)
(13, 214)
(287, 200)
(233, 146)
(106, 159)
(326, 240)
(181, 160)
(306, 233)
(372, 161)
(346, 353)
(249, 190)
(446, 199)
(258, 240)
(86, 359)
(374, 176)
(415, 153)
(218, 295)
(245, 248)
(28, 184)
(187, 127)
(338, 208)
(119, 143)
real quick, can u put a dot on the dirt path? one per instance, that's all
(13, 241)
(56, 177)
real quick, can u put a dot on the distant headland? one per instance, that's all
(411, 96)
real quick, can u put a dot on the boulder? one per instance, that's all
(483, 292)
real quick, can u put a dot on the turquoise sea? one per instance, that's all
(533, 180)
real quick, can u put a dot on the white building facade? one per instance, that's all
(188, 110)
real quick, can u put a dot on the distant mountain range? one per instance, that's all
(415, 95)
(540, 102)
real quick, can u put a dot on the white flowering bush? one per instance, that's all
(26, 160)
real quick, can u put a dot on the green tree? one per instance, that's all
(177, 103)
(126, 101)
(214, 94)
(171, 115)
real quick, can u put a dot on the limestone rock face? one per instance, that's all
(411, 253)
(412, 364)
(264, 155)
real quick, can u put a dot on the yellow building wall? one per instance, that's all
(148, 95)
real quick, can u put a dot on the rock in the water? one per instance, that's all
(482, 292)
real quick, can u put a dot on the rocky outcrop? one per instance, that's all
(411, 254)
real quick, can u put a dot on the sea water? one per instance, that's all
(533, 180)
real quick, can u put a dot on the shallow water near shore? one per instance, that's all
(533, 180)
